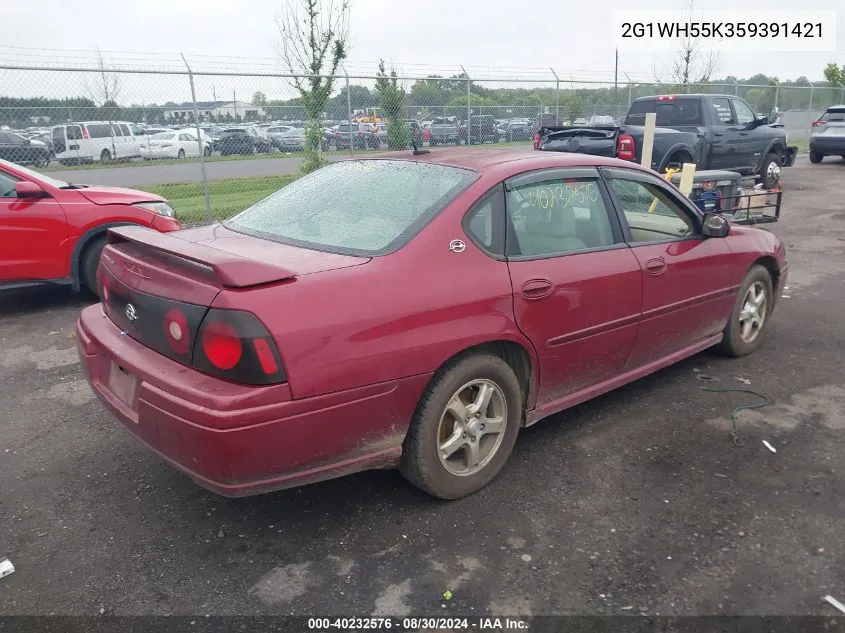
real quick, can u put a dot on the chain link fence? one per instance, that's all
(214, 141)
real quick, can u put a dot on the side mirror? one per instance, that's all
(26, 189)
(715, 225)
(762, 119)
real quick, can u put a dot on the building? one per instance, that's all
(215, 109)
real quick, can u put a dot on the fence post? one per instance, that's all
(812, 87)
(469, 109)
(557, 96)
(777, 94)
(736, 88)
(199, 140)
(349, 114)
(842, 95)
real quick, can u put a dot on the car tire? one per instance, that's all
(43, 162)
(89, 262)
(737, 339)
(105, 156)
(207, 151)
(180, 154)
(435, 424)
(770, 170)
(816, 157)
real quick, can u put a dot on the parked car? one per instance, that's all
(516, 131)
(242, 140)
(175, 144)
(96, 141)
(44, 136)
(601, 120)
(444, 131)
(52, 231)
(17, 149)
(362, 135)
(482, 130)
(580, 121)
(716, 132)
(827, 136)
(264, 352)
(287, 138)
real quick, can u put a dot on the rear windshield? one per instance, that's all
(363, 207)
(834, 114)
(669, 113)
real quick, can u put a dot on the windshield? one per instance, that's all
(361, 207)
(163, 136)
(54, 182)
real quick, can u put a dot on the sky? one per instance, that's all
(437, 35)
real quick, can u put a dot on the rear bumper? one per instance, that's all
(239, 440)
(828, 145)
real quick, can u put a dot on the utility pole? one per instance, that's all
(616, 87)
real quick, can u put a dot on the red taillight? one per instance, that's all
(176, 331)
(536, 141)
(666, 98)
(85, 132)
(221, 345)
(236, 346)
(819, 123)
(625, 147)
(265, 356)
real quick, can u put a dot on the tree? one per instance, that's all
(259, 99)
(312, 44)
(835, 74)
(105, 86)
(392, 102)
(690, 67)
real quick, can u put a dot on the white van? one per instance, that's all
(96, 141)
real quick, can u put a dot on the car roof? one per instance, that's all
(483, 159)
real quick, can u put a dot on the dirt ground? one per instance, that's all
(636, 502)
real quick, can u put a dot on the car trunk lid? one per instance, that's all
(597, 141)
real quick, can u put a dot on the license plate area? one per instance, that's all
(122, 384)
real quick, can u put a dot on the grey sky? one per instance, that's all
(437, 35)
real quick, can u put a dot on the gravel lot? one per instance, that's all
(637, 499)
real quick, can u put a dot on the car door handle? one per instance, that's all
(743, 133)
(718, 134)
(655, 266)
(537, 288)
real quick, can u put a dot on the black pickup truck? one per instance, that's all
(713, 131)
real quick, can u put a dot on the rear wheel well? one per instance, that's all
(514, 354)
(679, 156)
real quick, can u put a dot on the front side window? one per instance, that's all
(651, 214)
(558, 216)
(366, 207)
(744, 115)
(7, 185)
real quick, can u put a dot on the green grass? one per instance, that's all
(227, 196)
(168, 161)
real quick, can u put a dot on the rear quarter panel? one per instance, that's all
(398, 315)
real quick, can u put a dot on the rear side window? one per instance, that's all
(834, 115)
(554, 217)
(366, 207)
(74, 132)
(99, 130)
(669, 113)
(723, 112)
(133, 129)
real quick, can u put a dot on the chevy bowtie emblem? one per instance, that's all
(131, 313)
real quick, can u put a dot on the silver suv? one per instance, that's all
(827, 136)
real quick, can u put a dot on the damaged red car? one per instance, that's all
(412, 311)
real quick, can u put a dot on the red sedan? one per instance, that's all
(413, 311)
(52, 232)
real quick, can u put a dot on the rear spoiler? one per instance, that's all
(230, 270)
